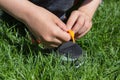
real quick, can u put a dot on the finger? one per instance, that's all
(86, 25)
(61, 25)
(72, 19)
(79, 24)
(79, 35)
(63, 36)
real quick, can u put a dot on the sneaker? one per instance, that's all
(71, 52)
(68, 52)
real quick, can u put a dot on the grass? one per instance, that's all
(20, 60)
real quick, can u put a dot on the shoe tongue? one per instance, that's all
(70, 49)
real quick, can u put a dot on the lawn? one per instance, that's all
(20, 60)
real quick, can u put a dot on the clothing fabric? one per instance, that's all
(58, 7)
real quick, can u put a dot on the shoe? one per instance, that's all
(71, 52)
(68, 52)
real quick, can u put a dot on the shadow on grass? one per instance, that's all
(25, 47)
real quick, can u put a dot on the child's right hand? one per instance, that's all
(46, 27)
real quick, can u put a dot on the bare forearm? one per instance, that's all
(17, 8)
(89, 7)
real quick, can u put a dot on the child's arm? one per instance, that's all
(44, 25)
(80, 21)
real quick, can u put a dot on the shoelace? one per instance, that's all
(72, 34)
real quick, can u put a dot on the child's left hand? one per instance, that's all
(79, 22)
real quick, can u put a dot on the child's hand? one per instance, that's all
(47, 28)
(79, 22)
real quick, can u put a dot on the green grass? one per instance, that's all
(20, 60)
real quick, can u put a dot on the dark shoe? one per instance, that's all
(70, 51)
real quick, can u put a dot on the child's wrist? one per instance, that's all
(30, 14)
(90, 8)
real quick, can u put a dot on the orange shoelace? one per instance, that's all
(72, 34)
